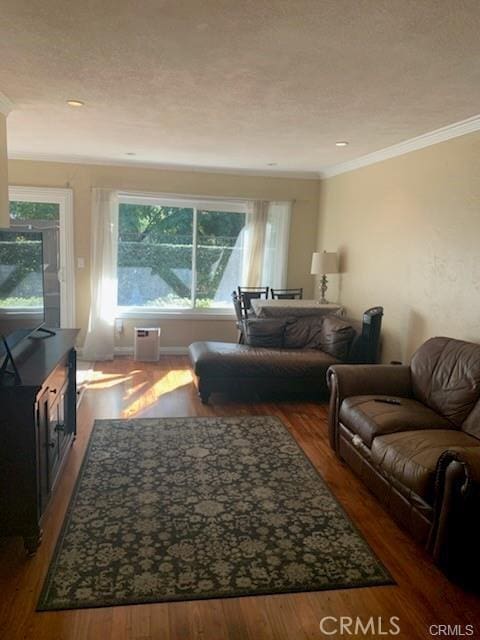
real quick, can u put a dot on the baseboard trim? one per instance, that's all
(128, 351)
(166, 351)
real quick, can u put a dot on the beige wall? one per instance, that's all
(3, 173)
(81, 178)
(408, 230)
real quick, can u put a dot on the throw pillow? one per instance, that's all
(336, 337)
(304, 332)
(265, 332)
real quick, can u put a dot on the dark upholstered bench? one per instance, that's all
(226, 367)
(289, 368)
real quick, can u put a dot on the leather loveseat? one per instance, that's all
(412, 434)
(285, 355)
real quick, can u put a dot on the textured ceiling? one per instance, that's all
(235, 84)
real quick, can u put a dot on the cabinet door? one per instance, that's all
(43, 439)
(53, 450)
(61, 417)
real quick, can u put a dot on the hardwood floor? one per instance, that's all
(123, 388)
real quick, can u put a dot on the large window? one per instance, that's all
(176, 254)
(190, 254)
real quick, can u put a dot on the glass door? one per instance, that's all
(45, 217)
(50, 210)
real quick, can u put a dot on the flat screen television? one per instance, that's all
(22, 301)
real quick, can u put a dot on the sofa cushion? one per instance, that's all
(446, 377)
(336, 337)
(303, 332)
(367, 418)
(228, 360)
(409, 459)
(264, 332)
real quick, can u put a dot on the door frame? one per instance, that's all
(66, 274)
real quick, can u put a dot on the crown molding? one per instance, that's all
(106, 162)
(6, 105)
(454, 130)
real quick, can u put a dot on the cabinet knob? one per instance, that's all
(52, 445)
(53, 391)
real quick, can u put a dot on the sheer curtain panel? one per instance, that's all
(99, 341)
(277, 236)
(256, 227)
(266, 242)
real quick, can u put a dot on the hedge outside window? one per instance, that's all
(178, 255)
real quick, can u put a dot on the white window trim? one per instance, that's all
(66, 275)
(177, 314)
(238, 205)
(195, 203)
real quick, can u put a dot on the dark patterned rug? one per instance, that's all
(187, 508)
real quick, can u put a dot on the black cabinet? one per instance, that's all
(37, 427)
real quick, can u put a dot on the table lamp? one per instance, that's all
(323, 263)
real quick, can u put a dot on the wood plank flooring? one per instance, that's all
(124, 388)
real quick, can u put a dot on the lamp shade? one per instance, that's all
(325, 262)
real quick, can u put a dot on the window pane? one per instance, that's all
(21, 278)
(20, 210)
(155, 256)
(220, 239)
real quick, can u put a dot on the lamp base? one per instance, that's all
(323, 289)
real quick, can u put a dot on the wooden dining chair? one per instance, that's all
(247, 294)
(240, 315)
(287, 294)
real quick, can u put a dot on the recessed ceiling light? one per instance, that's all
(75, 103)
(272, 164)
(130, 153)
(341, 143)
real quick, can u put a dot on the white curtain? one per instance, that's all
(266, 244)
(256, 226)
(277, 236)
(99, 342)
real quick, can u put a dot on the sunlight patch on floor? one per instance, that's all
(172, 380)
(101, 380)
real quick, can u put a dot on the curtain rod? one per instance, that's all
(183, 196)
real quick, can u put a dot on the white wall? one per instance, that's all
(408, 230)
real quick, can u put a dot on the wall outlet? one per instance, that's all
(118, 326)
(80, 263)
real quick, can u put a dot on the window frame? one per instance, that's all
(66, 275)
(195, 203)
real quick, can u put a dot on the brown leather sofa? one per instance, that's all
(287, 355)
(412, 434)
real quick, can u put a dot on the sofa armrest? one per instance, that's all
(455, 530)
(469, 460)
(346, 380)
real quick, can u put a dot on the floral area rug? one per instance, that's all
(188, 508)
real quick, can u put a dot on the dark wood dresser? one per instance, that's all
(37, 427)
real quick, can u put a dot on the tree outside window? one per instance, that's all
(174, 257)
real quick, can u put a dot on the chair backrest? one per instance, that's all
(446, 377)
(247, 294)
(238, 306)
(287, 294)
